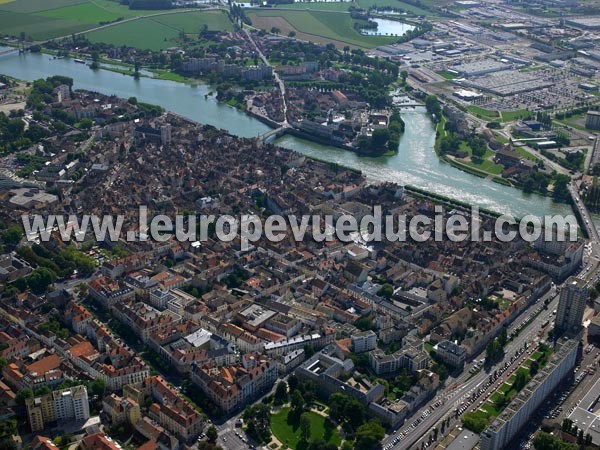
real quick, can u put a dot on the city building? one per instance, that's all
(516, 415)
(328, 373)
(452, 354)
(585, 415)
(364, 341)
(121, 410)
(64, 405)
(592, 120)
(571, 306)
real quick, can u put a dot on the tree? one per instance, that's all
(387, 290)
(379, 138)
(39, 280)
(545, 441)
(98, 387)
(345, 409)
(12, 235)
(281, 394)
(23, 395)
(293, 382)
(403, 76)
(292, 34)
(275, 30)
(503, 337)
(369, 435)
(297, 402)
(257, 418)
(95, 60)
(521, 379)
(432, 105)
(305, 425)
(211, 434)
(474, 422)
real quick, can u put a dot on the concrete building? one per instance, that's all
(121, 410)
(328, 373)
(592, 120)
(364, 341)
(64, 405)
(452, 354)
(586, 416)
(516, 415)
(571, 305)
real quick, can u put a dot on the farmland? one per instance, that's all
(32, 6)
(84, 12)
(40, 19)
(156, 33)
(321, 27)
(364, 4)
(38, 27)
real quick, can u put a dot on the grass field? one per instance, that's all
(509, 116)
(84, 12)
(446, 75)
(485, 114)
(42, 19)
(366, 4)
(322, 6)
(485, 164)
(157, 33)
(289, 433)
(31, 6)
(38, 27)
(192, 22)
(319, 27)
(524, 153)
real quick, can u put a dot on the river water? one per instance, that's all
(415, 163)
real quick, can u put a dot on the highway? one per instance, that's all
(463, 387)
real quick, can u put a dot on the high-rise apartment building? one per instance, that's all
(571, 305)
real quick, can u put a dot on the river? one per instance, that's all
(415, 163)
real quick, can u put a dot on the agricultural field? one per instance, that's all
(193, 22)
(322, 27)
(321, 6)
(158, 33)
(38, 27)
(32, 6)
(84, 12)
(42, 19)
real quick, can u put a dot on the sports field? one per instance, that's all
(157, 33)
(321, 27)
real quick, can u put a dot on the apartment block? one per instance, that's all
(516, 415)
(364, 341)
(63, 405)
(571, 306)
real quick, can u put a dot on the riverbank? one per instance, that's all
(471, 169)
(415, 164)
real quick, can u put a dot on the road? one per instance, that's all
(586, 217)
(463, 387)
(279, 81)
